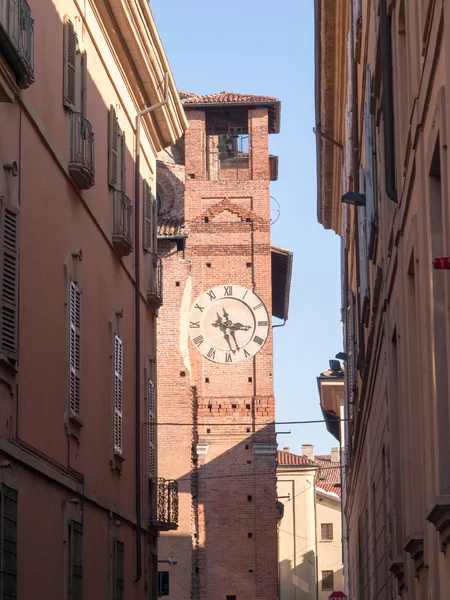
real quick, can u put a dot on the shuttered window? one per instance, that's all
(154, 577)
(151, 430)
(70, 64)
(363, 258)
(116, 153)
(351, 355)
(8, 540)
(75, 567)
(118, 384)
(74, 350)
(150, 209)
(9, 274)
(119, 580)
(369, 159)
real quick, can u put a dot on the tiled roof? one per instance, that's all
(225, 98)
(286, 458)
(330, 471)
(333, 374)
(329, 488)
(170, 226)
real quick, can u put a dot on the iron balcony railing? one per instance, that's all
(81, 165)
(17, 39)
(155, 281)
(122, 223)
(163, 504)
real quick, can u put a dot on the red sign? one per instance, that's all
(338, 596)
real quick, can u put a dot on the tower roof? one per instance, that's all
(224, 98)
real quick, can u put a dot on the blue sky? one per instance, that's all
(267, 48)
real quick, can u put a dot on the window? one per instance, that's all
(118, 379)
(75, 70)
(327, 580)
(8, 539)
(326, 531)
(151, 429)
(163, 583)
(116, 154)
(119, 583)
(74, 350)
(150, 218)
(75, 567)
(9, 258)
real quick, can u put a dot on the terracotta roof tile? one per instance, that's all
(171, 226)
(330, 471)
(329, 487)
(225, 98)
(287, 458)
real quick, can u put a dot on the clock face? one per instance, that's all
(228, 323)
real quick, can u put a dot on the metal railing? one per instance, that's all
(155, 280)
(16, 22)
(122, 221)
(82, 149)
(163, 503)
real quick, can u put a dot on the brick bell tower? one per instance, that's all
(215, 382)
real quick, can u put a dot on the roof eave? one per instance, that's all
(276, 105)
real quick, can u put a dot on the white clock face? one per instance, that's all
(228, 323)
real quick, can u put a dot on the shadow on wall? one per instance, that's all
(298, 582)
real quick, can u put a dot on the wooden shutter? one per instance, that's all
(351, 355)
(154, 577)
(9, 280)
(83, 86)
(118, 379)
(75, 560)
(123, 163)
(8, 541)
(113, 148)
(361, 215)
(119, 583)
(151, 429)
(74, 352)
(369, 157)
(70, 64)
(148, 218)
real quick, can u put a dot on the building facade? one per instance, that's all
(77, 365)
(310, 528)
(382, 117)
(223, 282)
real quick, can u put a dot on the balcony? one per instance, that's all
(122, 237)
(16, 39)
(81, 165)
(163, 504)
(154, 284)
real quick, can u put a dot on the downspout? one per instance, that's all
(387, 101)
(137, 333)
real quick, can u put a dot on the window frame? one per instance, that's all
(326, 586)
(329, 530)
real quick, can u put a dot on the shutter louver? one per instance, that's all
(9, 274)
(361, 214)
(74, 352)
(351, 355)
(151, 430)
(113, 148)
(70, 64)
(119, 551)
(154, 577)
(148, 218)
(75, 560)
(8, 540)
(118, 379)
(369, 157)
(123, 164)
(84, 76)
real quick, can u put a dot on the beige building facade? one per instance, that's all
(79, 297)
(382, 109)
(310, 525)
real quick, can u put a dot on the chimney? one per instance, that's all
(308, 451)
(286, 449)
(334, 455)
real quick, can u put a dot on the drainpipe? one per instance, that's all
(387, 101)
(137, 311)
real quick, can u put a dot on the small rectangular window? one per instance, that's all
(74, 348)
(119, 585)
(118, 381)
(327, 580)
(8, 539)
(75, 570)
(326, 531)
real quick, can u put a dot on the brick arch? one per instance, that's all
(227, 205)
(171, 187)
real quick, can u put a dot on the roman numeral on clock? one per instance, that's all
(211, 353)
(200, 308)
(246, 354)
(228, 290)
(258, 340)
(195, 325)
(198, 341)
(228, 357)
(263, 323)
(211, 295)
(257, 306)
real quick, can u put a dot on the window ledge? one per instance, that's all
(74, 425)
(117, 460)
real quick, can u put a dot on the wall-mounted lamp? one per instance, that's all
(354, 198)
(441, 263)
(170, 561)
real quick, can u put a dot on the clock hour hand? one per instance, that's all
(227, 338)
(234, 338)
